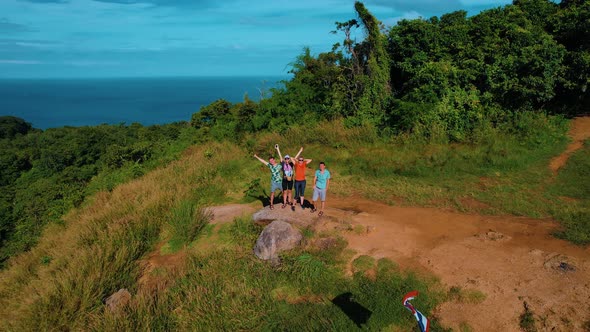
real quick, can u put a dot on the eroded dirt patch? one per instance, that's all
(225, 213)
(158, 270)
(508, 259)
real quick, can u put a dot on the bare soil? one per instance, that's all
(226, 213)
(509, 259)
(157, 268)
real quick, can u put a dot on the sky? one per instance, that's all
(169, 38)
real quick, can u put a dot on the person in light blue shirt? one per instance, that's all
(321, 182)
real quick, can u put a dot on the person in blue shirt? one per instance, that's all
(321, 182)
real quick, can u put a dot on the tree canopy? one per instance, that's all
(453, 72)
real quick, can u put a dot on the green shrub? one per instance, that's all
(363, 263)
(186, 221)
(572, 179)
(575, 223)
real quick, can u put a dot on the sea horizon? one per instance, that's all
(56, 78)
(87, 101)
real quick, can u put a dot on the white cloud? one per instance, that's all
(20, 62)
(472, 3)
(91, 63)
(391, 21)
(34, 44)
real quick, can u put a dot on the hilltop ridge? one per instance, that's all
(103, 247)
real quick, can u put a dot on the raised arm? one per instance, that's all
(298, 153)
(307, 161)
(279, 151)
(261, 160)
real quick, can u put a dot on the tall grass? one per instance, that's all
(228, 288)
(59, 283)
(572, 188)
(92, 259)
(186, 221)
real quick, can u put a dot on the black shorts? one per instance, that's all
(287, 185)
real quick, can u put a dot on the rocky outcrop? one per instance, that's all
(293, 215)
(276, 237)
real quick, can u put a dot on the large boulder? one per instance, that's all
(276, 237)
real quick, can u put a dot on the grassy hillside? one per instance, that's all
(61, 283)
(218, 284)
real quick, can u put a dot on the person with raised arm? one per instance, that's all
(275, 176)
(288, 174)
(300, 181)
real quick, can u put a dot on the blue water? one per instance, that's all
(80, 102)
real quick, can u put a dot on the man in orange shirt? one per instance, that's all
(300, 182)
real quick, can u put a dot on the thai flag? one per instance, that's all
(423, 322)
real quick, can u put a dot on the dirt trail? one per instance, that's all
(579, 132)
(509, 259)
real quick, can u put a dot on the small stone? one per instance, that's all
(565, 267)
(118, 300)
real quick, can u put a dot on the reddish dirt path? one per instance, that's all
(579, 132)
(509, 259)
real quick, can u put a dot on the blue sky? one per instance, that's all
(137, 38)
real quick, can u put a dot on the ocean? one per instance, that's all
(50, 103)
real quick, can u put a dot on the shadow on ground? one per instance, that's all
(356, 312)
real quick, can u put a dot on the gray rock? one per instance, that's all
(276, 237)
(118, 300)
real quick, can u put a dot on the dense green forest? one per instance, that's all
(448, 79)
(43, 174)
(447, 75)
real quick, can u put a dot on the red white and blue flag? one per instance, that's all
(423, 322)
